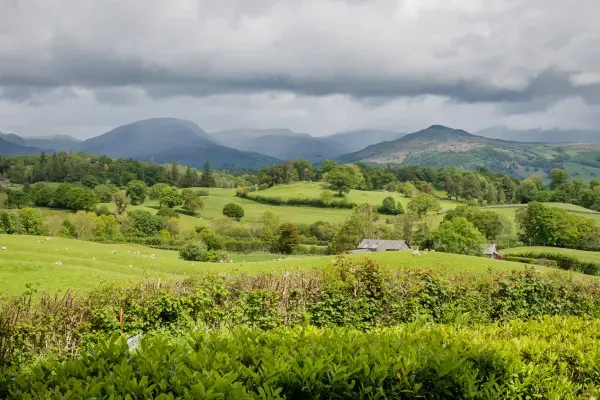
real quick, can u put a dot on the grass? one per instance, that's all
(314, 190)
(509, 211)
(592, 256)
(86, 264)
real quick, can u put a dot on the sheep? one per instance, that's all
(58, 262)
(48, 238)
(130, 266)
(152, 256)
(94, 259)
(416, 253)
(114, 252)
(3, 247)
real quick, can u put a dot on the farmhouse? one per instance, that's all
(490, 250)
(373, 245)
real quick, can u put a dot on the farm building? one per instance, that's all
(372, 245)
(490, 250)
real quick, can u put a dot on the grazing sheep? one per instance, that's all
(58, 262)
(130, 266)
(48, 238)
(416, 253)
(230, 261)
(94, 259)
(152, 256)
(114, 252)
(3, 248)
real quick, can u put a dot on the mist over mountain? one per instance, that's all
(540, 135)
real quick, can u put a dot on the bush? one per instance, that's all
(167, 212)
(245, 246)
(103, 210)
(234, 211)
(202, 192)
(211, 240)
(199, 252)
(300, 202)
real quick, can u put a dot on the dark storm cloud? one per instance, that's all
(518, 56)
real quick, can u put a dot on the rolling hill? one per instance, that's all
(56, 143)
(540, 135)
(352, 141)
(439, 146)
(168, 139)
(9, 148)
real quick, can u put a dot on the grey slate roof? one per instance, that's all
(383, 245)
(490, 250)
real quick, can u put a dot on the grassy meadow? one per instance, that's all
(591, 256)
(84, 265)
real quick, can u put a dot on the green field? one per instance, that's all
(314, 190)
(509, 211)
(592, 256)
(86, 264)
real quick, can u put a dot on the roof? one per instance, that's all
(384, 245)
(490, 249)
(357, 251)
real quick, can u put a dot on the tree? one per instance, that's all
(458, 236)
(234, 211)
(17, 198)
(84, 224)
(156, 190)
(191, 201)
(538, 224)
(211, 240)
(137, 192)
(489, 223)
(423, 203)
(452, 187)
(470, 188)
(339, 180)
(32, 222)
(174, 175)
(107, 228)
(289, 238)
(558, 177)
(360, 225)
(207, 179)
(170, 197)
(146, 224)
(526, 192)
(105, 193)
(82, 199)
(41, 195)
(269, 228)
(404, 225)
(121, 201)
(408, 189)
(303, 168)
(327, 165)
(190, 178)
(390, 207)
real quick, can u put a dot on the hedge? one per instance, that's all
(564, 261)
(553, 358)
(302, 202)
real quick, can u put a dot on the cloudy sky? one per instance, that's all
(82, 67)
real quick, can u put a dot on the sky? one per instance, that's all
(83, 67)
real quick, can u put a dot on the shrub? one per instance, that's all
(234, 211)
(211, 240)
(199, 252)
(563, 261)
(202, 192)
(167, 212)
(103, 210)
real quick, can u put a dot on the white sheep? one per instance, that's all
(3, 247)
(130, 266)
(48, 238)
(152, 256)
(416, 253)
(114, 252)
(58, 262)
(94, 259)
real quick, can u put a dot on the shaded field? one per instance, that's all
(86, 264)
(592, 256)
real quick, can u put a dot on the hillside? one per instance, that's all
(439, 146)
(8, 148)
(57, 142)
(540, 135)
(168, 139)
(232, 136)
(352, 141)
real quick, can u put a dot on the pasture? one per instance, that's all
(84, 265)
(591, 256)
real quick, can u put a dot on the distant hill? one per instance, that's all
(352, 141)
(288, 145)
(52, 143)
(8, 148)
(541, 136)
(233, 136)
(170, 139)
(439, 146)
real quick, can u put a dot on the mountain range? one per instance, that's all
(164, 140)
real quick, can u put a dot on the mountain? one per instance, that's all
(289, 145)
(439, 146)
(233, 136)
(540, 135)
(51, 143)
(170, 139)
(8, 148)
(352, 141)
